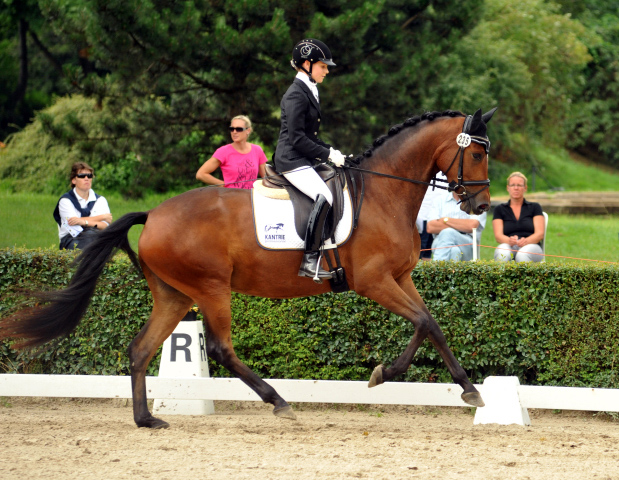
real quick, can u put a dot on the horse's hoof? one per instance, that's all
(473, 398)
(284, 412)
(377, 377)
(152, 422)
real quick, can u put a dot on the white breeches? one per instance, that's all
(528, 253)
(309, 182)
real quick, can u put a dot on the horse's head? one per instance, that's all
(465, 162)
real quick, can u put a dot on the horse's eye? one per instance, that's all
(477, 156)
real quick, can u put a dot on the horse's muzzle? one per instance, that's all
(473, 208)
(484, 207)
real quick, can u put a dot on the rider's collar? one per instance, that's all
(305, 79)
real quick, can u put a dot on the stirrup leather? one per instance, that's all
(310, 266)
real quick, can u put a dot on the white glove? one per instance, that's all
(336, 157)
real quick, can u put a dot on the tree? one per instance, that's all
(178, 71)
(31, 58)
(526, 58)
(595, 122)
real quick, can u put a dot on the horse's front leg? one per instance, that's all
(470, 395)
(391, 296)
(404, 300)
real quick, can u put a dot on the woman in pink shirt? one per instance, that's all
(240, 161)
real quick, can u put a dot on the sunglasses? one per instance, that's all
(237, 129)
(84, 175)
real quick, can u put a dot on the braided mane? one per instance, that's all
(409, 122)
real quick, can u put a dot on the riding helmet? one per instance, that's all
(312, 50)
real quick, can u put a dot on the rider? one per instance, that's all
(299, 149)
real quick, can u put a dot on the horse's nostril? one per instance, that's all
(484, 207)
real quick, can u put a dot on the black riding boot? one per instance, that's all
(313, 240)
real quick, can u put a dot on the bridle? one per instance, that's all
(463, 140)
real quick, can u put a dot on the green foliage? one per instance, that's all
(175, 70)
(28, 82)
(166, 77)
(527, 59)
(582, 351)
(545, 323)
(120, 306)
(121, 175)
(22, 160)
(387, 54)
(596, 114)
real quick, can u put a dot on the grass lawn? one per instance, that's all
(26, 218)
(559, 170)
(594, 237)
(26, 221)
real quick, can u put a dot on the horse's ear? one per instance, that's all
(488, 115)
(476, 122)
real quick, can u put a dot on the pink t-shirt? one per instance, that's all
(240, 169)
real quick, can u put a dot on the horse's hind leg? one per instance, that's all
(413, 308)
(217, 313)
(169, 307)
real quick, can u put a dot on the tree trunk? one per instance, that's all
(20, 91)
(46, 53)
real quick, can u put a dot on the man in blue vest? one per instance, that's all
(80, 212)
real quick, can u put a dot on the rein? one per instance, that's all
(404, 179)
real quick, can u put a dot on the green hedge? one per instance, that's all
(548, 324)
(120, 306)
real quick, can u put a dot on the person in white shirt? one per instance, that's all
(80, 212)
(432, 195)
(453, 229)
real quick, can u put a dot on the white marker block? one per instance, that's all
(184, 356)
(502, 401)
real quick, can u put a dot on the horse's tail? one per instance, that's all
(65, 308)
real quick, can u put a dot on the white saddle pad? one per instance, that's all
(274, 223)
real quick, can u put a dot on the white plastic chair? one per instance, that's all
(543, 242)
(476, 247)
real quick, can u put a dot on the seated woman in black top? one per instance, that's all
(518, 225)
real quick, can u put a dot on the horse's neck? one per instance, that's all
(410, 162)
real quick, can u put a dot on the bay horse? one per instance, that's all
(198, 247)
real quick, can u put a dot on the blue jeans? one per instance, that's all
(450, 238)
(426, 242)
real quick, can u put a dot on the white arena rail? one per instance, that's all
(205, 388)
(312, 391)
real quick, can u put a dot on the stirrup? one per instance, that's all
(311, 268)
(320, 271)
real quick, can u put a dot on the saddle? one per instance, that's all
(302, 204)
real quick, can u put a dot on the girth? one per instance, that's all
(302, 204)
